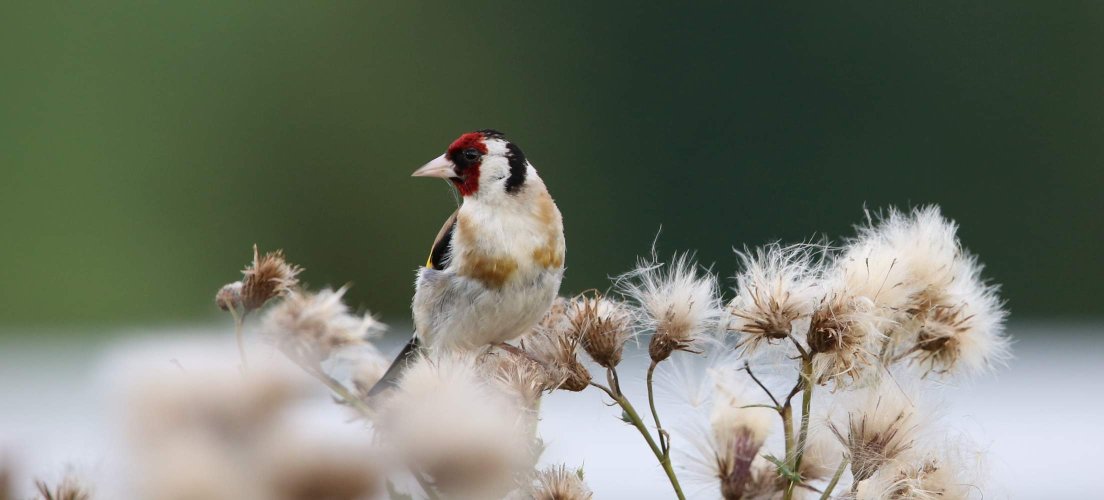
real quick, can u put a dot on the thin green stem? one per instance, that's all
(664, 439)
(835, 480)
(636, 421)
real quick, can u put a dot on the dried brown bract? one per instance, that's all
(269, 276)
(557, 352)
(603, 326)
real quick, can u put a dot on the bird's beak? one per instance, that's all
(441, 167)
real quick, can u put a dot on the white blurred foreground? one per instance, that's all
(60, 409)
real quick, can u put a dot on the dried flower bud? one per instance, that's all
(603, 327)
(559, 483)
(268, 277)
(310, 327)
(229, 296)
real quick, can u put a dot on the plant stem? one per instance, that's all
(664, 439)
(787, 429)
(635, 419)
(239, 319)
(835, 480)
(342, 392)
(805, 383)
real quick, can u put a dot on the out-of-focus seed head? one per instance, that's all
(310, 327)
(560, 483)
(269, 276)
(603, 326)
(450, 421)
(69, 488)
(738, 433)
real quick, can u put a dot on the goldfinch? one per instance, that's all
(497, 263)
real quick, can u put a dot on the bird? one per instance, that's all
(496, 265)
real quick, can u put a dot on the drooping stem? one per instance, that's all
(835, 480)
(239, 319)
(664, 438)
(636, 421)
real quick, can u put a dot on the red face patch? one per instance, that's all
(466, 153)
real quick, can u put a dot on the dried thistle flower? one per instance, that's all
(68, 489)
(310, 327)
(964, 332)
(554, 344)
(560, 483)
(447, 420)
(879, 431)
(939, 473)
(776, 289)
(269, 276)
(523, 377)
(603, 326)
(675, 301)
(942, 310)
(842, 334)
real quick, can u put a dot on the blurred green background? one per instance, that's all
(145, 146)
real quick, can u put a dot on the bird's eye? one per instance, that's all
(471, 154)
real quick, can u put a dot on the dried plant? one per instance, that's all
(267, 277)
(900, 299)
(554, 344)
(603, 326)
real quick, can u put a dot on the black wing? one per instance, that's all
(442, 247)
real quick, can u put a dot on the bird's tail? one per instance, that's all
(390, 378)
